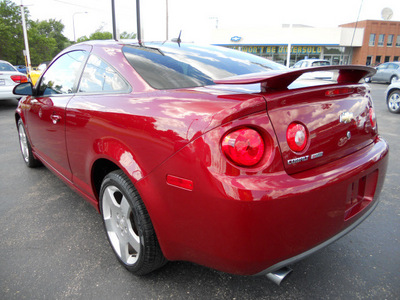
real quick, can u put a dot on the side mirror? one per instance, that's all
(23, 89)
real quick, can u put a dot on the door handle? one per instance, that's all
(55, 118)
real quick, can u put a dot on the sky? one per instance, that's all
(197, 18)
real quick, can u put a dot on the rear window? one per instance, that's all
(172, 66)
(320, 63)
(6, 67)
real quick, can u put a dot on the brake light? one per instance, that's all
(372, 117)
(244, 147)
(19, 78)
(339, 92)
(297, 136)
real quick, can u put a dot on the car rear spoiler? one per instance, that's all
(281, 79)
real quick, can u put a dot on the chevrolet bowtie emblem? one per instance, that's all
(346, 117)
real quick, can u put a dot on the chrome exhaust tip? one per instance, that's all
(279, 275)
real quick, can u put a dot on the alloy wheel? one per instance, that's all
(120, 225)
(23, 142)
(394, 102)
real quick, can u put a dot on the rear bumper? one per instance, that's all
(6, 92)
(303, 255)
(256, 223)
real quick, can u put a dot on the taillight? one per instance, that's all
(297, 137)
(244, 147)
(372, 117)
(19, 78)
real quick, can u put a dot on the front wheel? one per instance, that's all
(393, 102)
(393, 79)
(367, 79)
(26, 148)
(128, 225)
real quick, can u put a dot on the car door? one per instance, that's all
(391, 71)
(381, 71)
(100, 99)
(46, 116)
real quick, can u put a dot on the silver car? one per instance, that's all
(313, 62)
(393, 97)
(388, 72)
(9, 77)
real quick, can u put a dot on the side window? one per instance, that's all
(98, 77)
(61, 76)
(304, 64)
(383, 67)
(297, 65)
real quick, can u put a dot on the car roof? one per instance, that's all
(390, 62)
(4, 61)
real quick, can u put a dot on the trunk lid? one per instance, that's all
(337, 125)
(337, 116)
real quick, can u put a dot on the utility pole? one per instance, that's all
(28, 56)
(73, 21)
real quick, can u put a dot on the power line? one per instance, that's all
(74, 4)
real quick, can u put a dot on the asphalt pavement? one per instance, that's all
(53, 246)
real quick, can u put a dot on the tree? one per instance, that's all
(46, 40)
(45, 37)
(12, 41)
(51, 29)
(97, 35)
(105, 35)
(42, 48)
(126, 35)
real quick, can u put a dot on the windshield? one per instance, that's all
(171, 66)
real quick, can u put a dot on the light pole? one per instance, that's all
(73, 21)
(28, 57)
(289, 48)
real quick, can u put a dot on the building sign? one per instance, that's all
(282, 49)
(236, 38)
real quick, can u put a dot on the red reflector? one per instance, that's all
(244, 147)
(339, 91)
(372, 117)
(180, 182)
(19, 78)
(297, 137)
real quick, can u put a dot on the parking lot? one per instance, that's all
(53, 246)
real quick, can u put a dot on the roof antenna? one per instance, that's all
(139, 31)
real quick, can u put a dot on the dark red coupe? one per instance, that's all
(206, 154)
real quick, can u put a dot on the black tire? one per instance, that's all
(25, 146)
(393, 79)
(128, 225)
(367, 79)
(393, 102)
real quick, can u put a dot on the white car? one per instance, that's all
(393, 97)
(9, 77)
(310, 63)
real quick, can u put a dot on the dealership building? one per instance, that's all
(365, 42)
